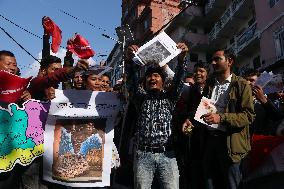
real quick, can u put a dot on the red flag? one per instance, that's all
(80, 46)
(54, 31)
(12, 87)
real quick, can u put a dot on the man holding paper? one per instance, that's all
(154, 133)
(230, 112)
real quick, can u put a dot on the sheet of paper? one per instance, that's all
(206, 106)
(264, 78)
(274, 85)
(161, 49)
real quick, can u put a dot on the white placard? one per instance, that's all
(161, 49)
(79, 138)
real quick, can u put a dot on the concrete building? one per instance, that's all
(252, 29)
(145, 18)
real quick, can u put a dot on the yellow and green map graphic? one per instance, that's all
(21, 134)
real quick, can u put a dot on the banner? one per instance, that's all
(79, 138)
(21, 134)
(12, 87)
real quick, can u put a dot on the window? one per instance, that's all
(256, 62)
(272, 3)
(279, 43)
(193, 57)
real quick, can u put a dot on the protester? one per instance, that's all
(11, 179)
(92, 80)
(106, 83)
(51, 76)
(267, 114)
(193, 145)
(8, 63)
(153, 136)
(78, 82)
(189, 80)
(227, 145)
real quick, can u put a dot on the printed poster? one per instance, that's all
(21, 133)
(206, 106)
(161, 49)
(79, 138)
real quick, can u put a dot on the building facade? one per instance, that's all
(145, 18)
(252, 29)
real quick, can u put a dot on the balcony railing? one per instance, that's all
(246, 37)
(225, 18)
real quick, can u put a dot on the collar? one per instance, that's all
(227, 80)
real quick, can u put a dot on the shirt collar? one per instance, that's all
(227, 80)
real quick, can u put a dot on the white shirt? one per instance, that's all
(220, 96)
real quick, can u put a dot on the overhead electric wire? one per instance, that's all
(83, 21)
(19, 44)
(20, 27)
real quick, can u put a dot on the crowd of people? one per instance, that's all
(169, 144)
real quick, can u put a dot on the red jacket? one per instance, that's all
(39, 84)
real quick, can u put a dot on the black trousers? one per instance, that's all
(219, 170)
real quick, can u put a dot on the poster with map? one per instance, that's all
(21, 133)
(79, 138)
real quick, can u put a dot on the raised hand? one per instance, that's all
(184, 51)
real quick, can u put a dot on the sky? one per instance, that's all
(28, 14)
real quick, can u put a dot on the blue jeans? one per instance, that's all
(164, 165)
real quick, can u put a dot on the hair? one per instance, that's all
(106, 75)
(155, 69)
(228, 53)
(45, 62)
(6, 53)
(250, 72)
(202, 65)
(117, 87)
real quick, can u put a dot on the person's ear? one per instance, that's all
(230, 61)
